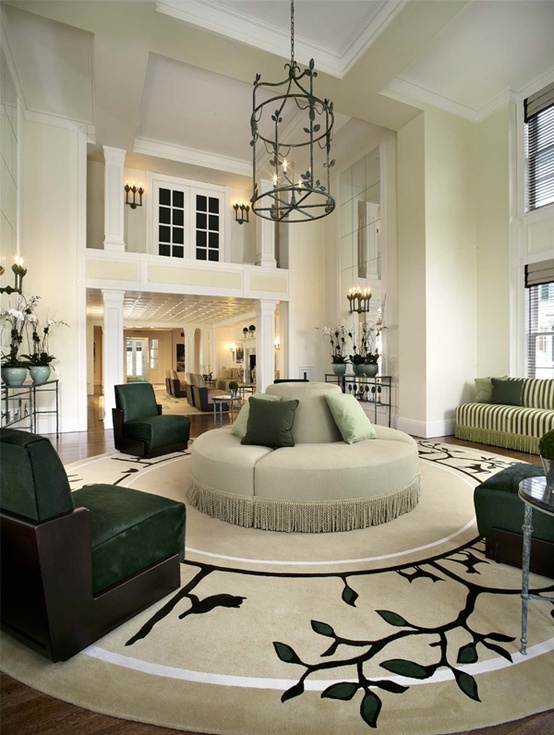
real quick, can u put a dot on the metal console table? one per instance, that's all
(21, 409)
(375, 392)
(537, 496)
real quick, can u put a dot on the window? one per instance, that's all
(188, 219)
(207, 228)
(171, 222)
(154, 354)
(539, 280)
(539, 142)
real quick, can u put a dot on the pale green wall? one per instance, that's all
(411, 245)
(492, 177)
(52, 227)
(450, 224)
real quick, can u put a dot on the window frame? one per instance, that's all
(190, 190)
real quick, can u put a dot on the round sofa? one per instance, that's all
(321, 484)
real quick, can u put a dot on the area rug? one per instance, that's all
(401, 628)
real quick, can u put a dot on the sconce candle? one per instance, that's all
(134, 190)
(19, 271)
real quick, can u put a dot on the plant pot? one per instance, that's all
(40, 373)
(371, 370)
(548, 465)
(13, 377)
(358, 369)
(339, 368)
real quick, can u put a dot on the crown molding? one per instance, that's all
(192, 156)
(230, 23)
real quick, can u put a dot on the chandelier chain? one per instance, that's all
(292, 32)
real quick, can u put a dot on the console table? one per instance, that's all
(536, 496)
(375, 391)
(20, 407)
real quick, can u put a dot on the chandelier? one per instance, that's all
(289, 122)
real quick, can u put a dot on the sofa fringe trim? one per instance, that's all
(293, 516)
(518, 442)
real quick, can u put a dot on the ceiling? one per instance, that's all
(171, 81)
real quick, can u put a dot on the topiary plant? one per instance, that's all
(546, 445)
(233, 385)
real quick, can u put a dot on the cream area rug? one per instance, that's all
(404, 627)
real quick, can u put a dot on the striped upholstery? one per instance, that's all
(513, 427)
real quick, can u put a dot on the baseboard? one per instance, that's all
(426, 429)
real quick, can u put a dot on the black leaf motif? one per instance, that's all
(344, 690)
(393, 618)
(467, 684)
(322, 628)
(286, 653)
(498, 649)
(198, 607)
(349, 596)
(410, 669)
(370, 709)
(390, 686)
(467, 654)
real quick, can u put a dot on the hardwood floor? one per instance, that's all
(24, 711)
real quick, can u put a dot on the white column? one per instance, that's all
(265, 239)
(113, 350)
(114, 201)
(265, 341)
(284, 335)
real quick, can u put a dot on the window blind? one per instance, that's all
(539, 119)
(540, 328)
(537, 273)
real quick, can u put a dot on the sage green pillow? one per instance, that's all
(507, 392)
(270, 423)
(484, 389)
(241, 422)
(350, 418)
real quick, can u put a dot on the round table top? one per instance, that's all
(533, 490)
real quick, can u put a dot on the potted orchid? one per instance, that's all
(14, 368)
(337, 339)
(39, 357)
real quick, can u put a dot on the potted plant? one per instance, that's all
(39, 358)
(337, 339)
(233, 387)
(546, 449)
(370, 364)
(14, 368)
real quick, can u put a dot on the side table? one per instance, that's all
(218, 402)
(536, 496)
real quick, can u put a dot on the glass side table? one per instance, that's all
(218, 401)
(536, 496)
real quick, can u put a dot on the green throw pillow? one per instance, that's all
(270, 423)
(241, 422)
(483, 388)
(507, 392)
(350, 418)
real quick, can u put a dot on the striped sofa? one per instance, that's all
(513, 427)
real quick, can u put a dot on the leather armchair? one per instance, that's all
(140, 429)
(77, 565)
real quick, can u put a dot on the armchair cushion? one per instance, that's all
(137, 400)
(33, 482)
(130, 531)
(158, 431)
(350, 418)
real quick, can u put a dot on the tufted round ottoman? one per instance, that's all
(320, 485)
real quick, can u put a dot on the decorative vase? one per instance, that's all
(13, 377)
(371, 370)
(548, 465)
(39, 373)
(358, 369)
(339, 368)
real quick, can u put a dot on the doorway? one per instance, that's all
(136, 359)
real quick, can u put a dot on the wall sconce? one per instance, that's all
(277, 344)
(243, 216)
(19, 271)
(134, 190)
(232, 351)
(359, 299)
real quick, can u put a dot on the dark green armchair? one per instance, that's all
(138, 424)
(76, 565)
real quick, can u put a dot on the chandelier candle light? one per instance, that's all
(287, 120)
(134, 190)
